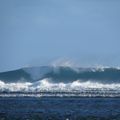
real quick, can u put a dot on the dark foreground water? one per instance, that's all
(59, 108)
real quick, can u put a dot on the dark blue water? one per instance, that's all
(56, 108)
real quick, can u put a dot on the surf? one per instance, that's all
(61, 81)
(46, 87)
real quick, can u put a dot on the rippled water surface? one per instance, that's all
(59, 108)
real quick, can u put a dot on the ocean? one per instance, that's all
(60, 93)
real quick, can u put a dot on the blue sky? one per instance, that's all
(38, 32)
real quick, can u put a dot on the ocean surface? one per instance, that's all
(60, 93)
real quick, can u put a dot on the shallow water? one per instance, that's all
(59, 108)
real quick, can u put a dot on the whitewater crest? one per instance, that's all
(46, 87)
(61, 81)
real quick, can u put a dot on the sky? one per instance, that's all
(39, 32)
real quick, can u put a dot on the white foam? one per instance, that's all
(46, 85)
(14, 87)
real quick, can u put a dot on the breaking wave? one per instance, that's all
(61, 81)
(46, 87)
(63, 74)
